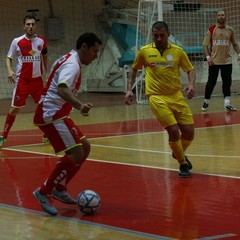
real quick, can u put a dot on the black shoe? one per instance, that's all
(230, 108)
(184, 170)
(204, 107)
(188, 162)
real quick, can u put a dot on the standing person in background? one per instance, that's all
(219, 38)
(162, 62)
(52, 116)
(30, 51)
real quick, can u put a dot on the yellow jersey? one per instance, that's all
(162, 69)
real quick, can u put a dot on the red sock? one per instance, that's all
(59, 175)
(8, 124)
(70, 175)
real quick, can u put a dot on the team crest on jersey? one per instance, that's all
(169, 57)
(17, 98)
(74, 131)
(32, 52)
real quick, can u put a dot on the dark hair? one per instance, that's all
(89, 38)
(160, 24)
(220, 10)
(28, 17)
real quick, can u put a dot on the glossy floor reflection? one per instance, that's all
(131, 168)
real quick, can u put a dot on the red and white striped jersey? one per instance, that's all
(66, 70)
(28, 54)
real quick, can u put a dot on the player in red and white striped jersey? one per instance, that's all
(52, 116)
(30, 51)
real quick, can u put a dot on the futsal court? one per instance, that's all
(131, 168)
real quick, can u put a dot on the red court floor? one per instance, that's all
(137, 198)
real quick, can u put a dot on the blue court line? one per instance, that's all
(90, 223)
(222, 236)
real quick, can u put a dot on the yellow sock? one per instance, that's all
(185, 143)
(178, 151)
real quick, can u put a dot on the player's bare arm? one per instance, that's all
(236, 46)
(11, 73)
(131, 81)
(189, 89)
(208, 57)
(66, 94)
(46, 64)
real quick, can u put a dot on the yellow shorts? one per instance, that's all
(171, 110)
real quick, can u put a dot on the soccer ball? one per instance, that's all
(88, 202)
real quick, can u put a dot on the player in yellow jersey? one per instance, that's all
(217, 48)
(162, 62)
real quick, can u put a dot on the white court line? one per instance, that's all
(133, 149)
(123, 148)
(161, 152)
(159, 132)
(120, 134)
(123, 163)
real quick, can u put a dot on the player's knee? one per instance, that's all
(14, 111)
